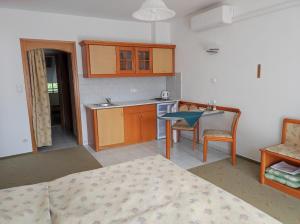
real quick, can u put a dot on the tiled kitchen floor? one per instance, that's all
(182, 153)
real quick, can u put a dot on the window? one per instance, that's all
(53, 87)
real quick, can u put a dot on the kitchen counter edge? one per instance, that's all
(129, 104)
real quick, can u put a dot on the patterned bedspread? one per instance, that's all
(145, 191)
(26, 204)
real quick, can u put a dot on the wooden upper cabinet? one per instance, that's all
(100, 60)
(125, 60)
(163, 61)
(143, 60)
(103, 59)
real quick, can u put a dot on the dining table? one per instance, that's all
(191, 117)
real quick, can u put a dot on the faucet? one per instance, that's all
(108, 100)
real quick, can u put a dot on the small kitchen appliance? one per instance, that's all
(162, 109)
(165, 94)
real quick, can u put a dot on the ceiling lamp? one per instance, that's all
(153, 10)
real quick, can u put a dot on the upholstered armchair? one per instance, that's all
(288, 151)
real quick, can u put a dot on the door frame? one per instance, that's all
(65, 46)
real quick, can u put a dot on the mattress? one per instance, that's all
(144, 191)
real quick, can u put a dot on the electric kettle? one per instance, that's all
(165, 94)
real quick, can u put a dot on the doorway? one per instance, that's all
(63, 119)
(63, 91)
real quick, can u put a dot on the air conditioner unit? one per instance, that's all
(213, 18)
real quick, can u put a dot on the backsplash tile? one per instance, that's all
(173, 85)
(120, 89)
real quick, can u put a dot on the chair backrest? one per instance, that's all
(190, 106)
(291, 132)
(183, 107)
(186, 105)
(193, 107)
(235, 122)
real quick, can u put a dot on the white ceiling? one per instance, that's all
(113, 9)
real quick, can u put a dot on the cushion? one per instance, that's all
(217, 133)
(182, 125)
(293, 135)
(293, 178)
(282, 180)
(286, 150)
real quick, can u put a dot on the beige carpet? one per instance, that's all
(242, 181)
(44, 166)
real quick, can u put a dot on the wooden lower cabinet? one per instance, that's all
(120, 126)
(140, 123)
(105, 127)
(110, 125)
(148, 126)
(132, 121)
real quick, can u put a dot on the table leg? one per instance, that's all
(168, 138)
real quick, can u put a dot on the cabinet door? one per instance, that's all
(125, 60)
(110, 126)
(163, 61)
(143, 60)
(132, 128)
(148, 125)
(102, 59)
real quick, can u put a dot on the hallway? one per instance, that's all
(60, 139)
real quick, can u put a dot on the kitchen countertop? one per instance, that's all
(129, 104)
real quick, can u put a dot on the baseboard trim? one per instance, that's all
(250, 160)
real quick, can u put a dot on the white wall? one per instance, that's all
(272, 40)
(15, 24)
(161, 32)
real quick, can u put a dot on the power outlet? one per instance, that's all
(25, 140)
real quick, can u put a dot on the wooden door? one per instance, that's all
(125, 60)
(63, 80)
(163, 61)
(143, 60)
(102, 60)
(148, 125)
(110, 123)
(132, 120)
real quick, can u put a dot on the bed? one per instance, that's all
(144, 191)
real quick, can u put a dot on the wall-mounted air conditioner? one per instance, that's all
(212, 18)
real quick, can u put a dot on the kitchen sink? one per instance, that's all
(104, 104)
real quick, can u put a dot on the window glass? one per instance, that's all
(53, 87)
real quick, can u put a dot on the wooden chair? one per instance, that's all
(288, 151)
(222, 135)
(182, 125)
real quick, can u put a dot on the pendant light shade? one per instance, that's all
(153, 10)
